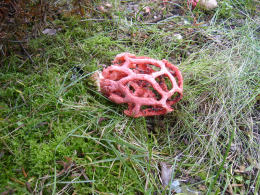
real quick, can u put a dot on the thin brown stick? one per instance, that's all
(26, 52)
(24, 173)
(17, 181)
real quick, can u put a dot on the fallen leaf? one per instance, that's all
(49, 31)
(166, 172)
(176, 186)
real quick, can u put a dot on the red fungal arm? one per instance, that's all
(193, 3)
(149, 87)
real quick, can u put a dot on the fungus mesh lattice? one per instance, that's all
(149, 87)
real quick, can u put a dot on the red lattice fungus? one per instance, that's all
(149, 87)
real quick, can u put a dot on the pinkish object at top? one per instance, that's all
(204, 4)
(193, 3)
(149, 87)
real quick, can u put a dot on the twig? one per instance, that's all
(19, 127)
(15, 41)
(24, 173)
(26, 52)
(8, 148)
(17, 181)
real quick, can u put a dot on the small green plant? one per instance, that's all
(236, 8)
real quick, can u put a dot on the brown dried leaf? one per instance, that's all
(166, 172)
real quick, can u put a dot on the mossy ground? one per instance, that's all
(59, 135)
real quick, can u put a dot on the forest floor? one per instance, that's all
(59, 135)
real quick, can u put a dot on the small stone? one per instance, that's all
(178, 36)
(176, 186)
(49, 31)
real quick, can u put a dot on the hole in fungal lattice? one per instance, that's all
(173, 73)
(131, 88)
(120, 62)
(142, 88)
(119, 94)
(177, 80)
(154, 67)
(144, 68)
(164, 82)
(148, 108)
(174, 98)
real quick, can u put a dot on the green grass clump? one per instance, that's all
(59, 135)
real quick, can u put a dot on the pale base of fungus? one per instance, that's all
(204, 4)
(208, 4)
(96, 77)
(149, 87)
